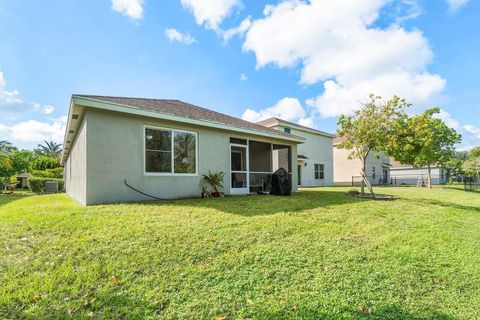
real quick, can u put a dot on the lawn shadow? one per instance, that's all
(444, 204)
(258, 205)
(382, 313)
(460, 188)
(11, 197)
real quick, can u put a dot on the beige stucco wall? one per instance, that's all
(115, 152)
(319, 150)
(345, 169)
(75, 172)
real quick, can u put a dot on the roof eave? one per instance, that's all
(117, 107)
(298, 127)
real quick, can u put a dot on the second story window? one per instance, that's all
(287, 130)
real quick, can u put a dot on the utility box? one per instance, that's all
(51, 186)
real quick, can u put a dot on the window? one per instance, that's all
(374, 173)
(238, 141)
(287, 130)
(170, 151)
(319, 171)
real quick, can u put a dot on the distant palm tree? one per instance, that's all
(50, 149)
(6, 147)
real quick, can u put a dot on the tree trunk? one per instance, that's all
(429, 176)
(364, 174)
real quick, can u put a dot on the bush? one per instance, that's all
(43, 163)
(48, 173)
(37, 185)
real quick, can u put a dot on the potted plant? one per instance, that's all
(214, 181)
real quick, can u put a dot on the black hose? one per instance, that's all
(145, 194)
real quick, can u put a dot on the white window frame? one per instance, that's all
(315, 171)
(172, 159)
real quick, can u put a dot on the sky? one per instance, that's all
(303, 61)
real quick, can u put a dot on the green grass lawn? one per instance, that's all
(318, 254)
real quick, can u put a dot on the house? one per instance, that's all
(347, 171)
(127, 149)
(314, 156)
(409, 175)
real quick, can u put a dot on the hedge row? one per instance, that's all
(56, 173)
(37, 185)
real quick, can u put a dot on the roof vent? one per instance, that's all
(74, 116)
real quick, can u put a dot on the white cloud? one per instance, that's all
(243, 77)
(174, 35)
(345, 52)
(12, 105)
(47, 109)
(448, 119)
(454, 5)
(239, 30)
(475, 131)
(210, 12)
(289, 109)
(130, 8)
(470, 137)
(7, 97)
(343, 98)
(33, 131)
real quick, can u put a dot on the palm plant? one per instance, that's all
(6, 147)
(49, 149)
(212, 180)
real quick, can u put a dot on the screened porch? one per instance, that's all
(253, 162)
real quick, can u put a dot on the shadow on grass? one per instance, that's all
(461, 188)
(445, 204)
(382, 313)
(257, 205)
(10, 197)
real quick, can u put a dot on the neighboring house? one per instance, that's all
(162, 147)
(347, 171)
(405, 174)
(314, 156)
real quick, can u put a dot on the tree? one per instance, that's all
(369, 128)
(472, 164)
(49, 149)
(6, 170)
(22, 160)
(43, 163)
(474, 153)
(6, 147)
(423, 140)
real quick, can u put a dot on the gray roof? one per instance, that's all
(338, 140)
(274, 121)
(187, 110)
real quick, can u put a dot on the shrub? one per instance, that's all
(42, 163)
(37, 185)
(48, 173)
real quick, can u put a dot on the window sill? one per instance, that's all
(153, 174)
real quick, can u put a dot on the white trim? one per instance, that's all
(172, 172)
(315, 171)
(246, 190)
(290, 125)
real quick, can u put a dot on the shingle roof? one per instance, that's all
(183, 109)
(338, 140)
(270, 122)
(396, 164)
